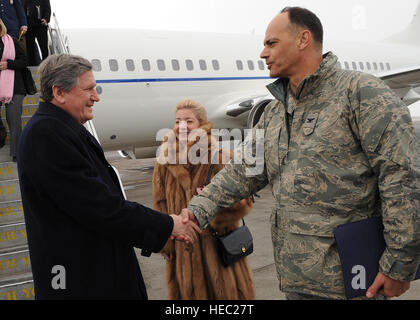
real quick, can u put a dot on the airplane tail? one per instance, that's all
(409, 35)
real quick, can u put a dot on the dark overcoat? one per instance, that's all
(13, 16)
(32, 14)
(78, 222)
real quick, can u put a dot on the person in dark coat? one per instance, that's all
(38, 14)
(81, 231)
(13, 61)
(13, 16)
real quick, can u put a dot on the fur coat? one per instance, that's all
(195, 271)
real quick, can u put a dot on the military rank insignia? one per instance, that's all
(310, 123)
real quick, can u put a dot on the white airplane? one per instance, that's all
(142, 75)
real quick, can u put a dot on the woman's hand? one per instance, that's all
(168, 256)
(3, 65)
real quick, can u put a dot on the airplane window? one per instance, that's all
(388, 66)
(203, 64)
(129, 63)
(161, 65)
(113, 64)
(375, 66)
(261, 64)
(346, 64)
(96, 65)
(175, 65)
(215, 64)
(339, 65)
(368, 65)
(382, 66)
(354, 65)
(239, 65)
(361, 65)
(145, 64)
(251, 65)
(189, 64)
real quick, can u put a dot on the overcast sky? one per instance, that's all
(359, 19)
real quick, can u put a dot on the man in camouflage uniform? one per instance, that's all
(339, 147)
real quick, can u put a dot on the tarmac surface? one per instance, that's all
(136, 176)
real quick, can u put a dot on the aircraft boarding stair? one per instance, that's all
(15, 269)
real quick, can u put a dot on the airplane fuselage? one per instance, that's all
(142, 75)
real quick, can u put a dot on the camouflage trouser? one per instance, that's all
(301, 296)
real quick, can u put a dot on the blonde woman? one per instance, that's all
(195, 271)
(12, 87)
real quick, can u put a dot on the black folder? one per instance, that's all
(360, 246)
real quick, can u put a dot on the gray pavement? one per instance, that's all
(136, 176)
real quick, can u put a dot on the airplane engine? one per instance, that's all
(256, 112)
(139, 153)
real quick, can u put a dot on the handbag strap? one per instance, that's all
(214, 233)
(209, 174)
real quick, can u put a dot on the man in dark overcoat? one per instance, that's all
(38, 14)
(81, 231)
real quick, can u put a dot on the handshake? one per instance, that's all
(185, 226)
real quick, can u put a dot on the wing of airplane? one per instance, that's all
(404, 81)
(402, 78)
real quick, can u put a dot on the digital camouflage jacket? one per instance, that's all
(347, 154)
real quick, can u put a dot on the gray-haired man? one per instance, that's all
(81, 231)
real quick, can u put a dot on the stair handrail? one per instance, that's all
(53, 26)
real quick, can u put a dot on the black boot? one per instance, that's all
(3, 134)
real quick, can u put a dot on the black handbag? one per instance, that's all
(30, 85)
(236, 244)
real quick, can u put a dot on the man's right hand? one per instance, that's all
(188, 215)
(184, 230)
(23, 29)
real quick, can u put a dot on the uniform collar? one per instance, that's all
(280, 88)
